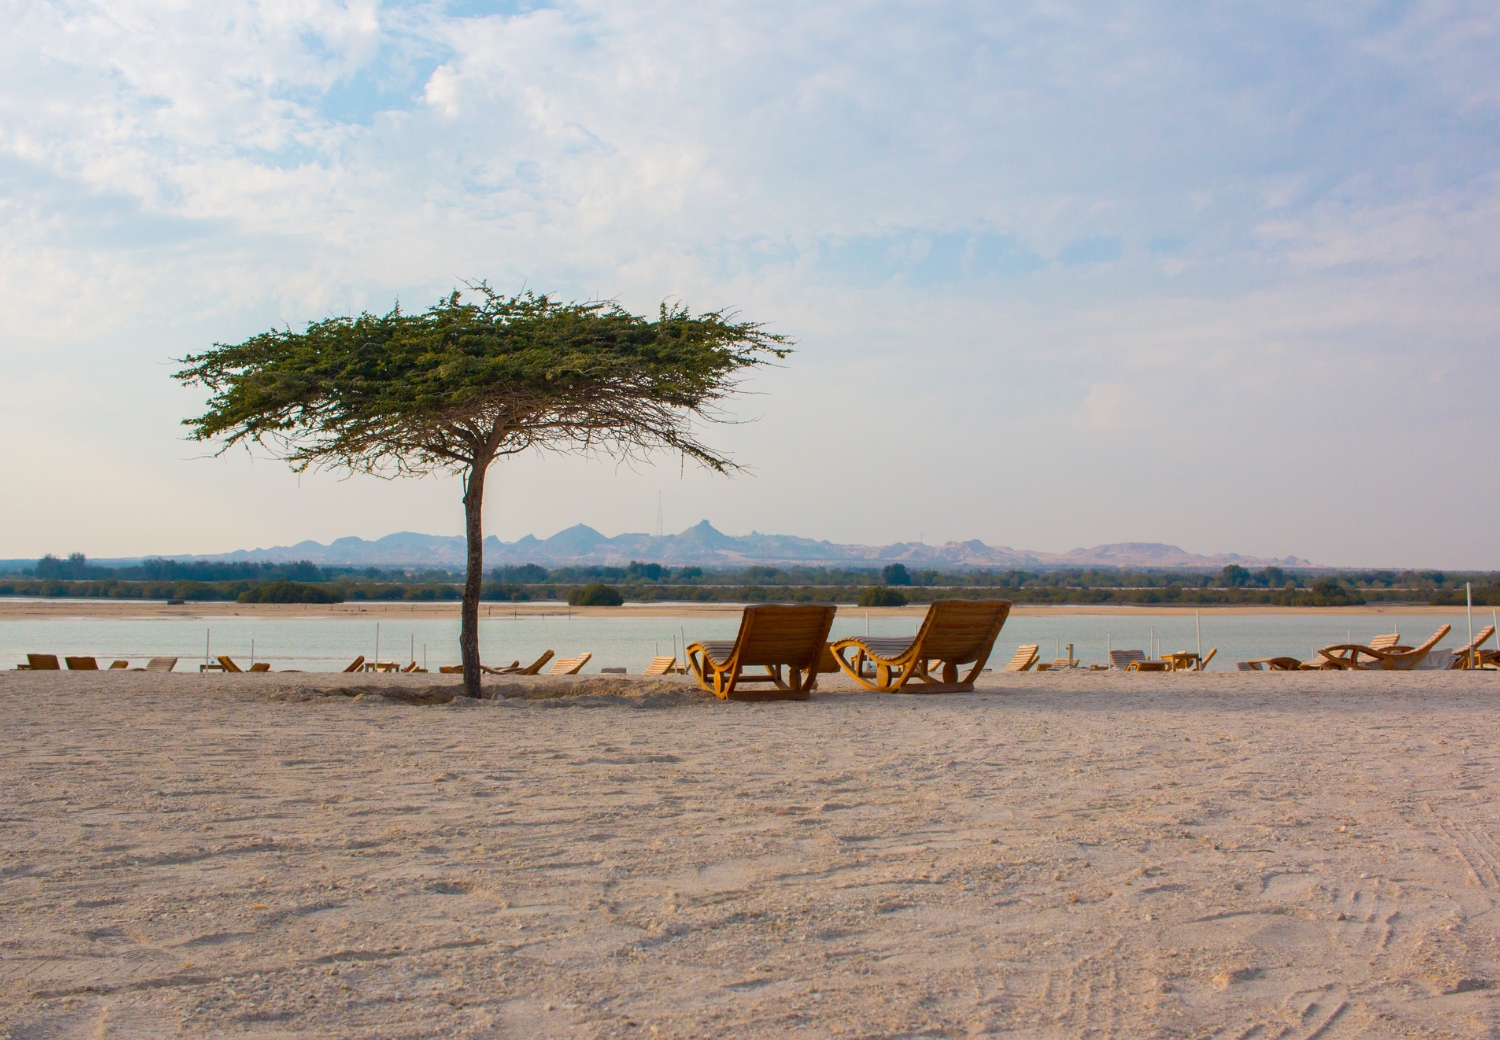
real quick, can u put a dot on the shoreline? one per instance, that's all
(105, 609)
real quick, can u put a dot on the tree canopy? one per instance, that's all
(463, 383)
(469, 381)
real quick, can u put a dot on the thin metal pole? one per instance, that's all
(1198, 619)
(252, 651)
(377, 642)
(1469, 598)
(207, 639)
(1151, 644)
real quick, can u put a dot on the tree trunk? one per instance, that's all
(468, 634)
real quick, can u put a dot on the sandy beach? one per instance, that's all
(1056, 855)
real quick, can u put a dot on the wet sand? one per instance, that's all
(1055, 855)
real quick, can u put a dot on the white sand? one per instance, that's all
(1071, 855)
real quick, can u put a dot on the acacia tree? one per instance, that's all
(466, 383)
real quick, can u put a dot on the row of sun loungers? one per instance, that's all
(789, 643)
(49, 663)
(1383, 653)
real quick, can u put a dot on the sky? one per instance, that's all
(1059, 274)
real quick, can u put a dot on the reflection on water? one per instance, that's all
(328, 644)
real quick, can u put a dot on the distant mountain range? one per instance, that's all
(705, 546)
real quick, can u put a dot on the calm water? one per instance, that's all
(325, 644)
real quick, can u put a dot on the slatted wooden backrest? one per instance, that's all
(359, 662)
(161, 664)
(660, 666)
(961, 631)
(791, 634)
(227, 663)
(1385, 642)
(1025, 654)
(569, 665)
(1480, 639)
(43, 662)
(82, 664)
(1122, 658)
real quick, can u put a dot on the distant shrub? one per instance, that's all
(595, 596)
(896, 574)
(289, 592)
(881, 596)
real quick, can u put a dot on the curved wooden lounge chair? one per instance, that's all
(1143, 665)
(954, 632)
(565, 665)
(82, 664)
(487, 670)
(43, 663)
(1271, 664)
(661, 666)
(772, 636)
(1397, 658)
(534, 668)
(161, 664)
(358, 665)
(1469, 655)
(1025, 656)
(1122, 659)
(451, 669)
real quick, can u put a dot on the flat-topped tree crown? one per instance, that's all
(465, 383)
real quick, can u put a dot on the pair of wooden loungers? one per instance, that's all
(49, 663)
(1383, 653)
(562, 666)
(790, 642)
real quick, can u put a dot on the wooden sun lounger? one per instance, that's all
(1143, 665)
(161, 664)
(115, 666)
(82, 664)
(661, 666)
(226, 664)
(1122, 659)
(357, 665)
(1271, 664)
(773, 636)
(1025, 656)
(451, 669)
(535, 667)
(954, 632)
(486, 669)
(568, 665)
(43, 663)
(1399, 658)
(1469, 655)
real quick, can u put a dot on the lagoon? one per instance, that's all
(324, 643)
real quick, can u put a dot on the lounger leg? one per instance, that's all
(855, 671)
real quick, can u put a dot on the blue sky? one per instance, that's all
(1219, 275)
